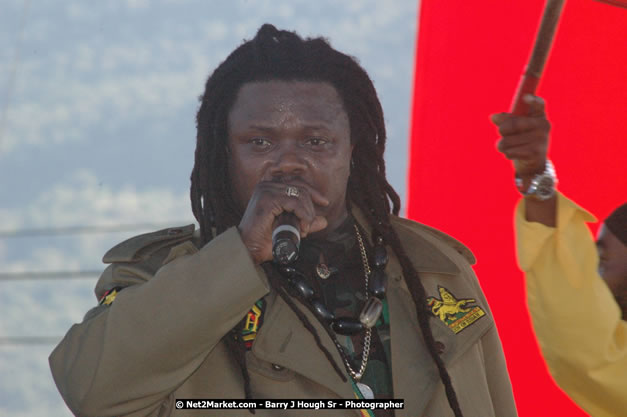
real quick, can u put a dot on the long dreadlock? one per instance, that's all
(282, 55)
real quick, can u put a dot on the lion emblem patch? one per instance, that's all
(456, 314)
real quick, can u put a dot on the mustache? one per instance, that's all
(287, 179)
(295, 180)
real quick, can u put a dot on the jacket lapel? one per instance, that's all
(283, 340)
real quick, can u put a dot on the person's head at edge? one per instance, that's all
(612, 248)
(276, 64)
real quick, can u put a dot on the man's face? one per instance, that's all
(294, 132)
(612, 261)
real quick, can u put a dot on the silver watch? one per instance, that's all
(542, 185)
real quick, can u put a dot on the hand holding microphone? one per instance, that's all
(286, 239)
(278, 215)
(286, 235)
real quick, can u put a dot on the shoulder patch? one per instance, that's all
(109, 296)
(449, 240)
(456, 313)
(140, 247)
(253, 322)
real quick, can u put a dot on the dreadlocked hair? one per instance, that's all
(282, 55)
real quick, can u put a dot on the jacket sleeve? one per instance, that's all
(576, 319)
(497, 376)
(126, 358)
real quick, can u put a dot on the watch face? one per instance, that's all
(546, 187)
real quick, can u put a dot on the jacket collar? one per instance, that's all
(426, 257)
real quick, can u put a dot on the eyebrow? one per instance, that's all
(305, 126)
(260, 127)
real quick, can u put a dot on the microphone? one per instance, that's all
(286, 238)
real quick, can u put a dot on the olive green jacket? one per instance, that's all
(160, 340)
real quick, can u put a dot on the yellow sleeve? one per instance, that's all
(575, 317)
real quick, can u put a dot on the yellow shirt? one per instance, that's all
(576, 319)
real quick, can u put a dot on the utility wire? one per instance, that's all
(27, 275)
(70, 230)
(29, 340)
(85, 230)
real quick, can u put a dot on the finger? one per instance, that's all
(319, 199)
(521, 154)
(306, 214)
(509, 142)
(508, 123)
(295, 197)
(314, 194)
(533, 154)
(533, 139)
(498, 118)
(536, 105)
(515, 125)
(285, 194)
(300, 205)
(319, 223)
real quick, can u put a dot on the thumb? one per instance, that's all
(319, 223)
(498, 118)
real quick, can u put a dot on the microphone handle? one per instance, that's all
(286, 239)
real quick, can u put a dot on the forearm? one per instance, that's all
(154, 335)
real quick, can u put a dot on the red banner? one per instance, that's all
(470, 56)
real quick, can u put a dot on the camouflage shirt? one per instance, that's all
(344, 294)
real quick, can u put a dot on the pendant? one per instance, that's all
(371, 312)
(366, 391)
(323, 270)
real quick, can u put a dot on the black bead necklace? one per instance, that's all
(375, 282)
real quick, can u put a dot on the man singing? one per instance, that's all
(373, 305)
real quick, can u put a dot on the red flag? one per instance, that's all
(470, 56)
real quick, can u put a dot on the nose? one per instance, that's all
(289, 160)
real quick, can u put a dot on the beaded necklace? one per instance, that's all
(374, 282)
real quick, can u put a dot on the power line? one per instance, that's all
(29, 340)
(84, 230)
(70, 230)
(28, 275)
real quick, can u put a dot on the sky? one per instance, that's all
(97, 128)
